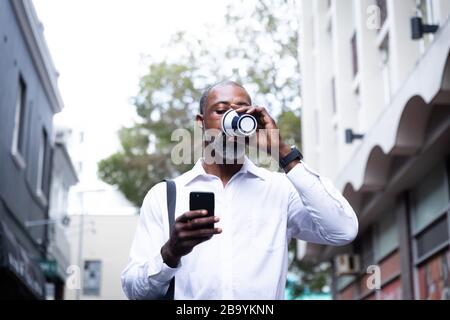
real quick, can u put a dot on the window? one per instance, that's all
(430, 198)
(385, 69)
(355, 62)
(43, 173)
(386, 235)
(434, 278)
(364, 247)
(92, 278)
(333, 94)
(313, 33)
(433, 237)
(383, 11)
(18, 143)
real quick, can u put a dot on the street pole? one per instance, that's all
(80, 245)
(81, 237)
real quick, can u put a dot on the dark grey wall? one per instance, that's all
(18, 186)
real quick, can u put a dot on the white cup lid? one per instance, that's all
(247, 124)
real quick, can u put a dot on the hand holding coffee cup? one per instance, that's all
(238, 124)
(268, 136)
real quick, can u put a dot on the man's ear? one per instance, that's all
(199, 119)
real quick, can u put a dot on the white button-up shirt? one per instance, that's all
(260, 211)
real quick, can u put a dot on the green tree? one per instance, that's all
(264, 51)
(290, 127)
(311, 277)
(166, 101)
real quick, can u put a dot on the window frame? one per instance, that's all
(43, 158)
(412, 204)
(19, 134)
(378, 258)
(354, 54)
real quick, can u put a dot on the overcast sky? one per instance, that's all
(97, 47)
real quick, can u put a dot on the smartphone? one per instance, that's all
(202, 201)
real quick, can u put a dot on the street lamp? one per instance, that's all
(35, 223)
(350, 136)
(418, 28)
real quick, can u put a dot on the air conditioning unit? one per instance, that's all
(347, 264)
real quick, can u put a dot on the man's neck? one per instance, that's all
(224, 171)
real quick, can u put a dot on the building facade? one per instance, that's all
(29, 98)
(376, 119)
(105, 247)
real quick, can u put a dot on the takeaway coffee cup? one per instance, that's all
(238, 124)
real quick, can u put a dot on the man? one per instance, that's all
(257, 212)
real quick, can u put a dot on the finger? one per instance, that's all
(201, 222)
(261, 109)
(178, 226)
(263, 112)
(242, 109)
(264, 115)
(257, 110)
(251, 110)
(191, 215)
(198, 234)
(193, 243)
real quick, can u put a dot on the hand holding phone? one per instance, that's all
(191, 228)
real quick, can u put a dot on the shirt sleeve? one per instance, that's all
(317, 211)
(146, 276)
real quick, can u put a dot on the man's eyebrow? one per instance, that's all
(228, 103)
(221, 102)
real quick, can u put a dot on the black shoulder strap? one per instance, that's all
(171, 202)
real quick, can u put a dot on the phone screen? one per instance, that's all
(202, 201)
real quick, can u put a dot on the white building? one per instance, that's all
(59, 248)
(376, 119)
(106, 243)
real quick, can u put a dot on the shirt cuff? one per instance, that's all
(159, 271)
(303, 177)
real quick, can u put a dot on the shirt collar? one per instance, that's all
(198, 170)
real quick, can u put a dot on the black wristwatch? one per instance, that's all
(295, 154)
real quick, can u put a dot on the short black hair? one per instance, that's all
(205, 94)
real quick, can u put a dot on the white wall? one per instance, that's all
(107, 238)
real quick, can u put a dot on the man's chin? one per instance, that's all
(230, 155)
